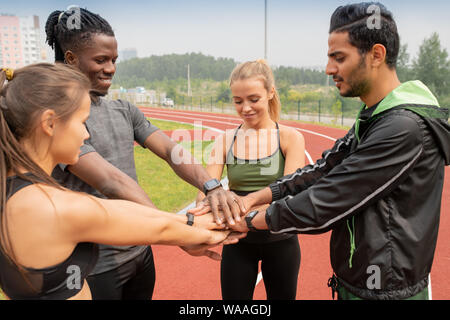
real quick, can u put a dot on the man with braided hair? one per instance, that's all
(106, 167)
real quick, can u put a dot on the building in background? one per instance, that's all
(22, 42)
(127, 54)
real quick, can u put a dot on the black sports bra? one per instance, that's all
(58, 282)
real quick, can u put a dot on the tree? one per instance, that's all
(223, 93)
(432, 66)
(336, 110)
(404, 70)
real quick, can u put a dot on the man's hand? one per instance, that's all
(204, 249)
(225, 205)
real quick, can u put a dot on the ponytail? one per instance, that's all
(50, 31)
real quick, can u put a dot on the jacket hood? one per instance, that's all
(416, 97)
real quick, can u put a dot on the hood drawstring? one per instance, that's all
(352, 241)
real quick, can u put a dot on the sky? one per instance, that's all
(297, 30)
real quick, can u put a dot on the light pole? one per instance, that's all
(265, 30)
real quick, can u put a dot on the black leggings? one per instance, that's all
(134, 280)
(280, 264)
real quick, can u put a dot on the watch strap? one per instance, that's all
(190, 220)
(248, 219)
(216, 185)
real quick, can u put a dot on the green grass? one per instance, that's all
(167, 191)
(170, 125)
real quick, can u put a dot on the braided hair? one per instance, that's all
(62, 36)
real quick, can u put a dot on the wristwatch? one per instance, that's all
(248, 219)
(211, 185)
(190, 218)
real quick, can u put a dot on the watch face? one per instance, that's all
(211, 184)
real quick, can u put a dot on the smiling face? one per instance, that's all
(251, 100)
(97, 60)
(347, 66)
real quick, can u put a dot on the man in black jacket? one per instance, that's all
(379, 188)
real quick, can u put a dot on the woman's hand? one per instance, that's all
(207, 221)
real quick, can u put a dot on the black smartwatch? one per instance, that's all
(190, 218)
(248, 219)
(211, 185)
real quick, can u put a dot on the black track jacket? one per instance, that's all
(379, 190)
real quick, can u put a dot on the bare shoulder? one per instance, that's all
(44, 205)
(31, 201)
(290, 138)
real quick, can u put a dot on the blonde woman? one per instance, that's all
(257, 153)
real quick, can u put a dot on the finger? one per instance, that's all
(234, 206)
(234, 237)
(213, 255)
(214, 204)
(241, 205)
(230, 241)
(215, 226)
(226, 209)
(201, 209)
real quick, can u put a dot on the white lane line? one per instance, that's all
(152, 113)
(430, 296)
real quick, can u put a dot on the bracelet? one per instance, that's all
(190, 220)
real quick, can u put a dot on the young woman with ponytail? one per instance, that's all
(257, 153)
(48, 233)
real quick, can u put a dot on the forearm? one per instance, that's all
(307, 176)
(193, 173)
(95, 171)
(118, 222)
(126, 189)
(261, 197)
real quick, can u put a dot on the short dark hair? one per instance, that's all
(61, 37)
(354, 19)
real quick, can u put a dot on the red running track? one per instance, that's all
(182, 277)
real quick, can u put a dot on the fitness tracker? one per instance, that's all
(211, 185)
(190, 220)
(248, 219)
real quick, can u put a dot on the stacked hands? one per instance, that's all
(222, 211)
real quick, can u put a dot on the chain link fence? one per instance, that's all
(337, 112)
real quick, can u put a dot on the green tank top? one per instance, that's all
(253, 175)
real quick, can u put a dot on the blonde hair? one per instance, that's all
(259, 69)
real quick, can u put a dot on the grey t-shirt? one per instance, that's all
(113, 126)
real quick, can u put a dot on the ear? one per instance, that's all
(378, 55)
(71, 58)
(48, 122)
(271, 93)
